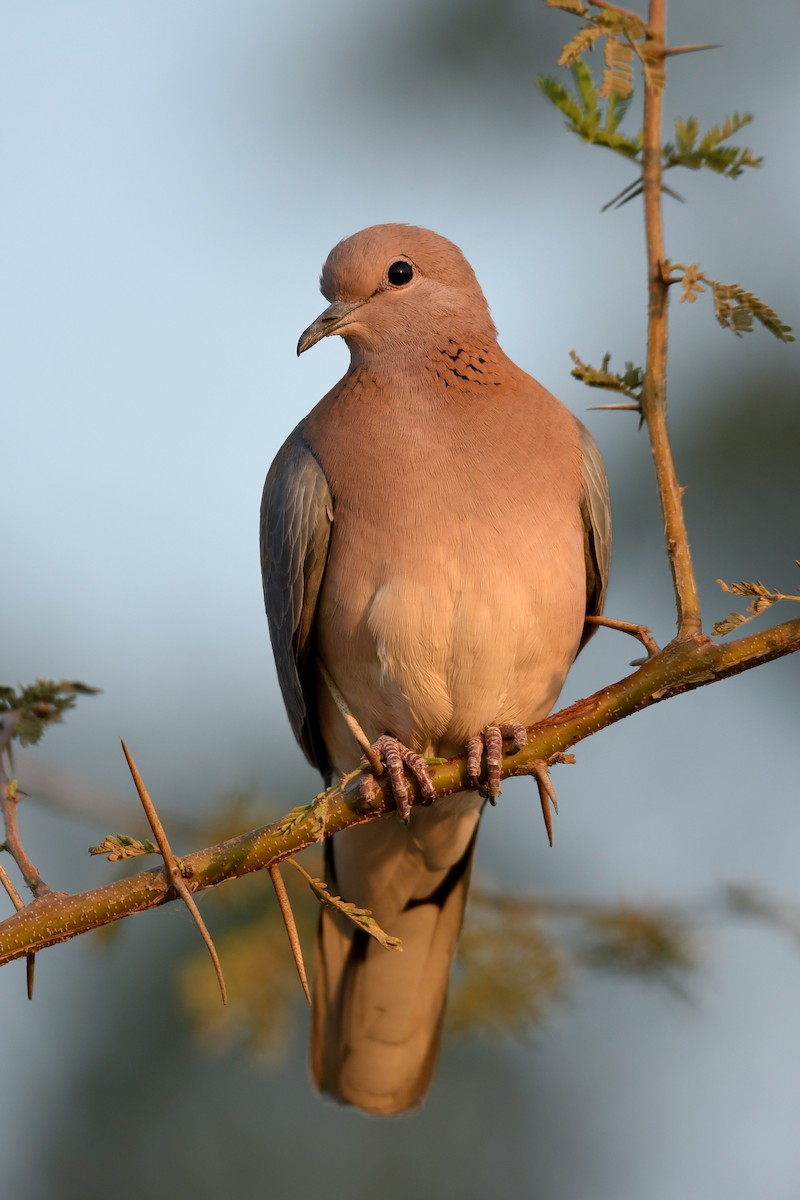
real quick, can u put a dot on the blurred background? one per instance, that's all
(174, 176)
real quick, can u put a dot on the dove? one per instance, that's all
(434, 534)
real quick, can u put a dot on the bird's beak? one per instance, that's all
(333, 320)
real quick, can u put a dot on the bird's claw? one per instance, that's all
(397, 757)
(492, 740)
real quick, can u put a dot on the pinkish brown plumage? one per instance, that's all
(436, 531)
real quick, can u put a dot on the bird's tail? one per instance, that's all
(377, 1014)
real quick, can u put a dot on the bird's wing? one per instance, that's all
(296, 520)
(596, 512)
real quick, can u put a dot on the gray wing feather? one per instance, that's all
(296, 519)
(596, 510)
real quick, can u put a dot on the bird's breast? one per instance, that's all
(432, 638)
(455, 590)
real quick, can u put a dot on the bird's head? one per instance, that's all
(397, 288)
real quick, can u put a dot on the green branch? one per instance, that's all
(679, 667)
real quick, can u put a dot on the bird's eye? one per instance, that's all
(400, 272)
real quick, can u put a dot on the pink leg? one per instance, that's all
(492, 739)
(397, 757)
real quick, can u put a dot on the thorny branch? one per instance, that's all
(680, 667)
(9, 800)
(690, 661)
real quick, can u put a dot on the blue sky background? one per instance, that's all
(174, 176)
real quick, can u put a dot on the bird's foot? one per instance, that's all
(492, 740)
(397, 758)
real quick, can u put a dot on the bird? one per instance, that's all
(434, 535)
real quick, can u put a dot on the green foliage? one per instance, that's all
(708, 151)
(734, 307)
(314, 812)
(599, 124)
(119, 846)
(595, 116)
(40, 704)
(618, 75)
(762, 598)
(629, 382)
(517, 957)
(749, 901)
(585, 39)
(362, 918)
(644, 942)
(510, 971)
(626, 35)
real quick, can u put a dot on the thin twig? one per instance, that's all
(285, 905)
(641, 632)
(13, 842)
(361, 738)
(16, 900)
(173, 868)
(654, 394)
(637, 408)
(680, 667)
(13, 894)
(10, 797)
